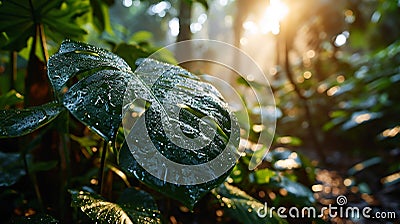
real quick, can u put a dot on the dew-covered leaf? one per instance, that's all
(169, 146)
(133, 207)
(108, 85)
(11, 168)
(244, 208)
(21, 122)
(189, 195)
(74, 58)
(97, 101)
(140, 206)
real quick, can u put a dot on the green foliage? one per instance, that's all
(21, 122)
(10, 99)
(19, 20)
(244, 208)
(353, 101)
(96, 101)
(189, 195)
(133, 207)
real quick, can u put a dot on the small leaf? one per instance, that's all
(10, 99)
(264, 175)
(42, 166)
(136, 207)
(101, 15)
(360, 117)
(131, 52)
(21, 122)
(11, 168)
(364, 164)
(141, 37)
(244, 208)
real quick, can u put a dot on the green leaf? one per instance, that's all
(178, 100)
(244, 208)
(204, 3)
(141, 37)
(21, 122)
(364, 164)
(140, 206)
(360, 117)
(131, 52)
(10, 99)
(298, 193)
(58, 16)
(96, 100)
(264, 175)
(133, 207)
(42, 166)
(101, 15)
(11, 168)
(189, 195)
(75, 58)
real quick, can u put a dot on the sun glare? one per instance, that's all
(276, 11)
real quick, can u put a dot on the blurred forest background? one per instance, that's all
(333, 66)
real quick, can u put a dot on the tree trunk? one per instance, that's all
(185, 14)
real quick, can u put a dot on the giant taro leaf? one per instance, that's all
(169, 147)
(133, 207)
(96, 100)
(19, 18)
(20, 122)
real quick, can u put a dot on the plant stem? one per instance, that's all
(65, 161)
(102, 167)
(34, 182)
(13, 74)
(43, 44)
